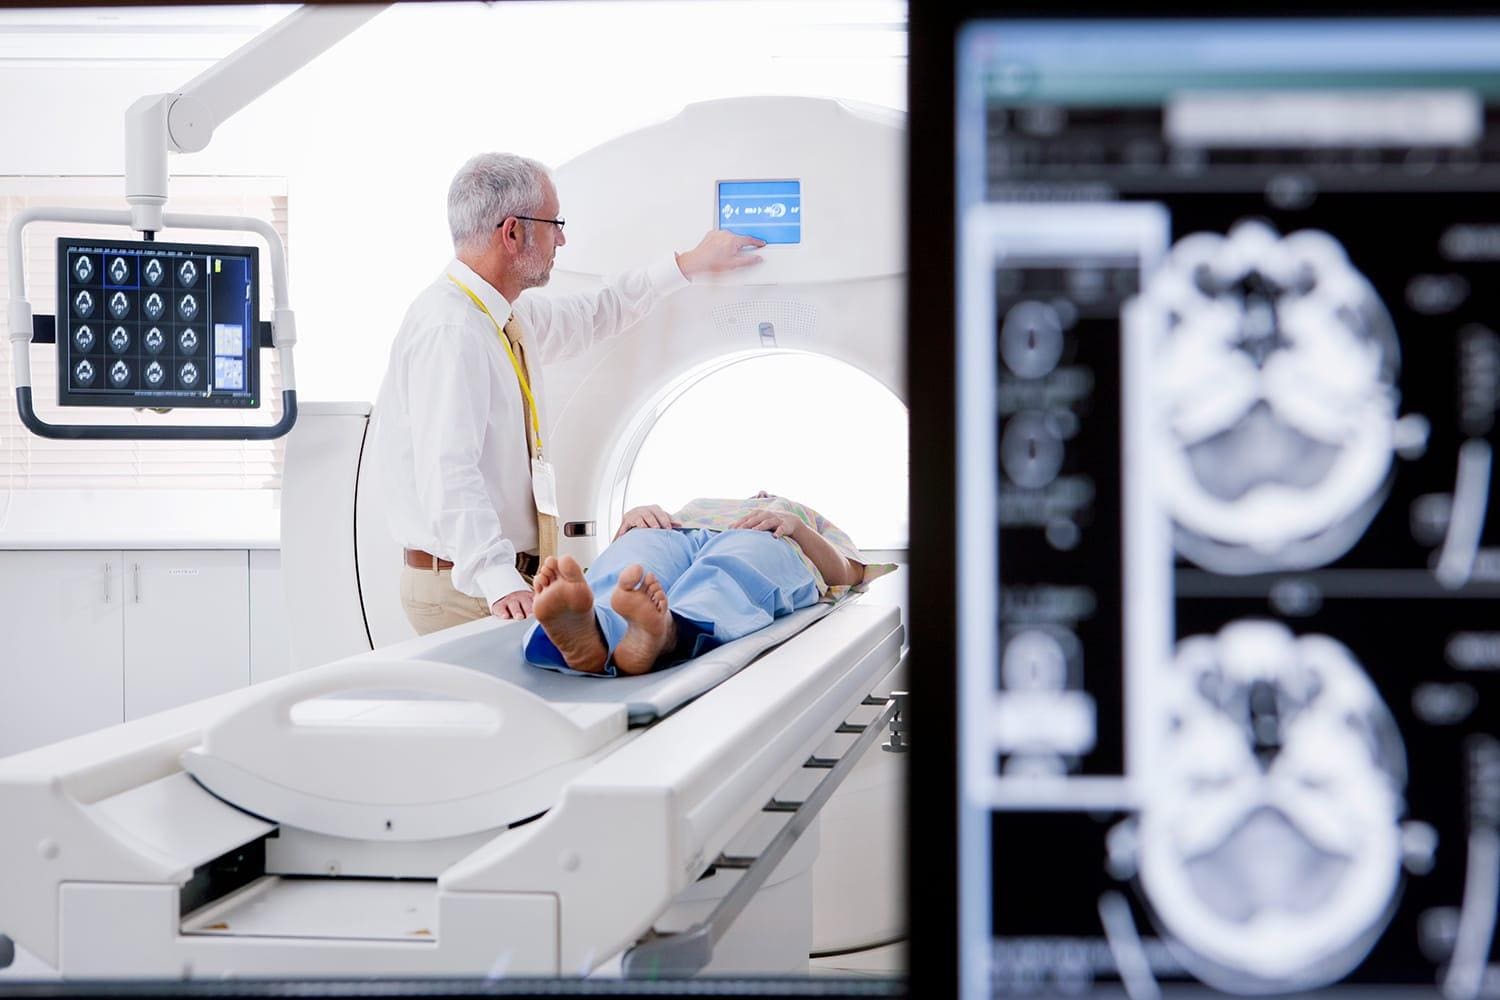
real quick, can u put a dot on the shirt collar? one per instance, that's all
(496, 302)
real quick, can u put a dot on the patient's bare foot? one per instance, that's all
(564, 606)
(640, 600)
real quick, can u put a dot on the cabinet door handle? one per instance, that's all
(109, 572)
(136, 567)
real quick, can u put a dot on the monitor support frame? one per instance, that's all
(184, 122)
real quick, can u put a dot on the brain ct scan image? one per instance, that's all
(83, 304)
(1270, 836)
(154, 340)
(83, 373)
(155, 374)
(187, 340)
(187, 306)
(119, 270)
(154, 306)
(83, 338)
(83, 269)
(187, 274)
(119, 373)
(119, 305)
(1274, 370)
(1232, 732)
(1031, 338)
(188, 375)
(154, 272)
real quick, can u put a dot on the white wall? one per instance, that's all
(370, 133)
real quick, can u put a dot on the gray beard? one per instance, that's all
(538, 277)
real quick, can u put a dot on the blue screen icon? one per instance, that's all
(771, 210)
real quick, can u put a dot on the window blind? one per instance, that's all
(28, 462)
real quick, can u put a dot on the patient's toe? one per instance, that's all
(545, 574)
(569, 569)
(640, 600)
(655, 592)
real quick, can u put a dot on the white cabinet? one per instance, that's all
(187, 627)
(270, 642)
(92, 638)
(61, 657)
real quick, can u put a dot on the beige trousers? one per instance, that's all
(431, 602)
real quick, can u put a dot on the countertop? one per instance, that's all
(140, 519)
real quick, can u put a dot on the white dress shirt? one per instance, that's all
(449, 436)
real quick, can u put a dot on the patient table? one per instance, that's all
(439, 806)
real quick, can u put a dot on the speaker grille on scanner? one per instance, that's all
(766, 320)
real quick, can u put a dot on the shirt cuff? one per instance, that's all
(666, 276)
(499, 581)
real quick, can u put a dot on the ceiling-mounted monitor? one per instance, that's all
(149, 324)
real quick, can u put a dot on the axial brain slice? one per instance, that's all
(1273, 375)
(1270, 818)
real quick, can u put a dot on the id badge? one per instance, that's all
(544, 486)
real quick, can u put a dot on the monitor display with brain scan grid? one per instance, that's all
(157, 324)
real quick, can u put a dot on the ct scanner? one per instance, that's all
(404, 805)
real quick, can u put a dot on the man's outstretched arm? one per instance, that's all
(563, 326)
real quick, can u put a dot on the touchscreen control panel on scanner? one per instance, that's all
(1235, 284)
(157, 324)
(769, 210)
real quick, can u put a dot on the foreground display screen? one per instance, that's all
(768, 210)
(156, 324)
(1229, 350)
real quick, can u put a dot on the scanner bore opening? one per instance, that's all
(797, 423)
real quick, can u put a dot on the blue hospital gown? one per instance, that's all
(720, 585)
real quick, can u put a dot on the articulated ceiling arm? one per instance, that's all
(184, 121)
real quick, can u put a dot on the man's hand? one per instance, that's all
(780, 525)
(720, 250)
(648, 516)
(515, 606)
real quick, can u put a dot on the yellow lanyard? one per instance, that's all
(536, 423)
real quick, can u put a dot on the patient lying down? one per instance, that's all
(672, 586)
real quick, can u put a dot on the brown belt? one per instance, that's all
(526, 562)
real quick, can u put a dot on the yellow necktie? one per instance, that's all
(546, 524)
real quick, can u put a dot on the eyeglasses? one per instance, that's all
(559, 223)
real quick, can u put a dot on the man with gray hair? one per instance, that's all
(456, 437)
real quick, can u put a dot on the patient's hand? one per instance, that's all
(647, 516)
(780, 525)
